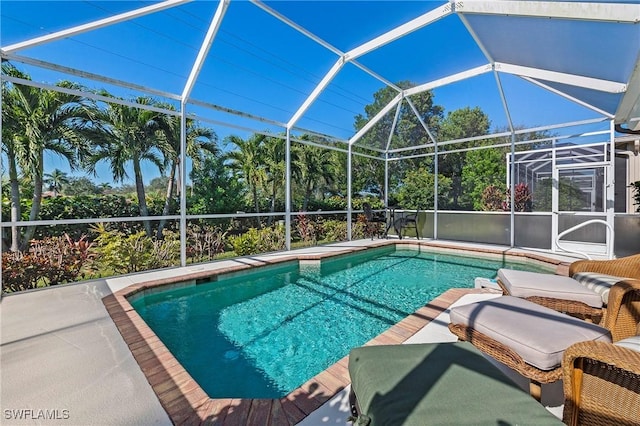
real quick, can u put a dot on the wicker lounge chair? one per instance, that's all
(583, 294)
(530, 338)
(602, 384)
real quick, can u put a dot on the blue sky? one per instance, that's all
(259, 65)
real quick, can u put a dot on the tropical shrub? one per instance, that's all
(333, 230)
(305, 229)
(82, 207)
(522, 199)
(358, 229)
(205, 241)
(51, 261)
(273, 238)
(337, 202)
(417, 190)
(124, 253)
(23, 271)
(357, 203)
(247, 243)
(492, 198)
(336, 230)
(483, 168)
(256, 241)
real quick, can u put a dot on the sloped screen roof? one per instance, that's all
(316, 65)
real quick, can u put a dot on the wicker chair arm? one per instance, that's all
(628, 267)
(622, 316)
(607, 353)
(611, 398)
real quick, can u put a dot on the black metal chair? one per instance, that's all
(375, 223)
(408, 221)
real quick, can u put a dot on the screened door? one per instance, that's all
(579, 196)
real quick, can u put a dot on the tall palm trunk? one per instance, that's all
(274, 191)
(36, 200)
(142, 202)
(307, 194)
(15, 201)
(167, 201)
(256, 204)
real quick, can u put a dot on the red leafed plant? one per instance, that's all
(50, 261)
(522, 199)
(492, 198)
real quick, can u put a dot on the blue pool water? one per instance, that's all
(264, 332)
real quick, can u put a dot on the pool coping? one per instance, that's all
(186, 402)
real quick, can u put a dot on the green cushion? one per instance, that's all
(444, 383)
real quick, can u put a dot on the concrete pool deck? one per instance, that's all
(65, 362)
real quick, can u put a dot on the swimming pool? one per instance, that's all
(263, 332)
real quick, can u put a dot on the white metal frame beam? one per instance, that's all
(316, 92)
(296, 27)
(400, 31)
(70, 32)
(511, 171)
(393, 126)
(516, 132)
(584, 11)
(216, 21)
(422, 123)
(563, 78)
(84, 94)
(236, 113)
(320, 41)
(503, 99)
(353, 54)
(376, 118)
(473, 72)
(89, 75)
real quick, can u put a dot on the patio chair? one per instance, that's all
(441, 383)
(531, 338)
(602, 383)
(584, 293)
(374, 224)
(407, 221)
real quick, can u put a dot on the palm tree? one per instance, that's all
(34, 121)
(104, 186)
(200, 141)
(56, 180)
(317, 168)
(10, 142)
(275, 167)
(131, 135)
(248, 161)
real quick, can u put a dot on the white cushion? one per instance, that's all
(527, 284)
(600, 283)
(539, 335)
(630, 342)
